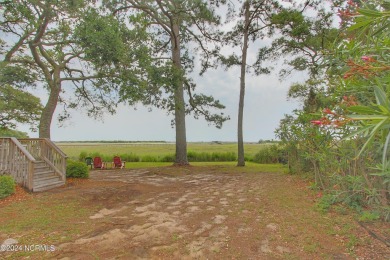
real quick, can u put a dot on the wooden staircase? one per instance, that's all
(45, 178)
(36, 163)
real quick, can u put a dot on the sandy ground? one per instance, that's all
(203, 213)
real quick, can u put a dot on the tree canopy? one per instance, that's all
(54, 44)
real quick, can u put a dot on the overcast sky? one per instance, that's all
(265, 105)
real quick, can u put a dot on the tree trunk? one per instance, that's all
(240, 135)
(180, 120)
(48, 110)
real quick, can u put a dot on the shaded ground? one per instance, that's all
(203, 213)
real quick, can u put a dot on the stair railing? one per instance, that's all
(16, 161)
(44, 149)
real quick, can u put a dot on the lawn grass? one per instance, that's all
(45, 220)
(223, 166)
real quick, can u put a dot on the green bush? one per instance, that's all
(168, 158)
(76, 169)
(82, 156)
(129, 157)
(7, 186)
(270, 154)
(149, 158)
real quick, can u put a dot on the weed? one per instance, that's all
(352, 243)
(369, 216)
(311, 247)
(175, 237)
(325, 203)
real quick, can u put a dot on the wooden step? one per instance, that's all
(46, 177)
(44, 172)
(40, 164)
(48, 186)
(42, 169)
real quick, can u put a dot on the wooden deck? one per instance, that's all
(35, 163)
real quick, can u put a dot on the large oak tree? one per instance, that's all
(48, 40)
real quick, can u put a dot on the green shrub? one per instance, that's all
(367, 216)
(325, 203)
(129, 157)
(270, 154)
(168, 158)
(82, 156)
(76, 169)
(7, 186)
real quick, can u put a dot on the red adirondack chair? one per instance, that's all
(97, 162)
(117, 162)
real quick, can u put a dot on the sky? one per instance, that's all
(265, 106)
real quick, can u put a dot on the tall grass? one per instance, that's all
(192, 157)
(197, 152)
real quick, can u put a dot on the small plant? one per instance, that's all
(76, 169)
(369, 216)
(7, 186)
(325, 203)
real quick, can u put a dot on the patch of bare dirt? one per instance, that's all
(20, 195)
(200, 213)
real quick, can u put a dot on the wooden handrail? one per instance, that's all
(17, 161)
(21, 147)
(44, 149)
(53, 145)
(48, 141)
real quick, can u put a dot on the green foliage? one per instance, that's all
(7, 186)
(341, 135)
(130, 157)
(367, 216)
(270, 154)
(40, 49)
(18, 106)
(12, 133)
(82, 156)
(305, 39)
(325, 203)
(76, 169)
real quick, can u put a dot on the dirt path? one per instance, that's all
(203, 213)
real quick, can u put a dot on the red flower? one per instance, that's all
(316, 122)
(328, 111)
(368, 59)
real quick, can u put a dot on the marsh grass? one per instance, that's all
(160, 152)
